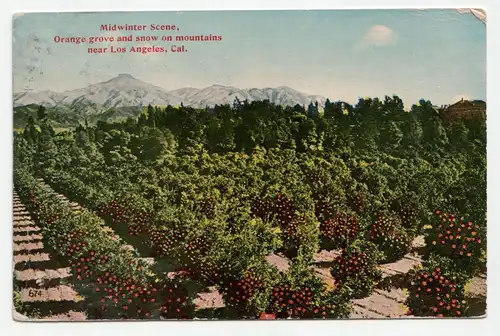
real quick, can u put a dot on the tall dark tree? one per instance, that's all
(30, 132)
(41, 113)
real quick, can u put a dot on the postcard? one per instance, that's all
(249, 165)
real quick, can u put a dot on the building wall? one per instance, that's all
(465, 110)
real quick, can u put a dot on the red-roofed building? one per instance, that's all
(465, 109)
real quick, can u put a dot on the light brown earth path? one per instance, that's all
(37, 276)
(381, 303)
(477, 287)
(375, 306)
(476, 295)
(209, 298)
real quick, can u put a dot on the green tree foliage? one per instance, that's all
(46, 154)
(217, 190)
(41, 115)
(30, 132)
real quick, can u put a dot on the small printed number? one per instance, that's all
(34, 293)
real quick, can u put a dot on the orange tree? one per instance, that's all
(116, 283)
(457, 238)
(387, 233)
(299, 293)
(356, 269)
(437, 289)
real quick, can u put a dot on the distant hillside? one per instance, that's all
(65, 116)
(124, 96)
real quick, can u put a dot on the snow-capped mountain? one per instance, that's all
(185, 93)
(123, 90)
(45, 98)
(127, 91)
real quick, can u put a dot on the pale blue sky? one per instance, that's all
(439, 55)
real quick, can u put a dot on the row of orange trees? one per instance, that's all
(113, 281)
(259, 288)
(356, 267)
(454, 254)
(233, 260)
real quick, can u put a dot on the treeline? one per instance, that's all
(370, 137)
(370, 124)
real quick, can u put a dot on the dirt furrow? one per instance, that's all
(69, 316)
(401, 266)
(28, 238)
(33, 257)
(27, 246)
(359, 312)
(58, 293)
(35, 273)
(382, 305)
(22, 223)
(27, 229)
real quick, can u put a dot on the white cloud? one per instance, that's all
(378, 36)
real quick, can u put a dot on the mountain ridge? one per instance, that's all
(124, 90)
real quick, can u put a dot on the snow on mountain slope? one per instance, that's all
(185, 93)
(125, 90)
(217, 94)
(46, 98)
